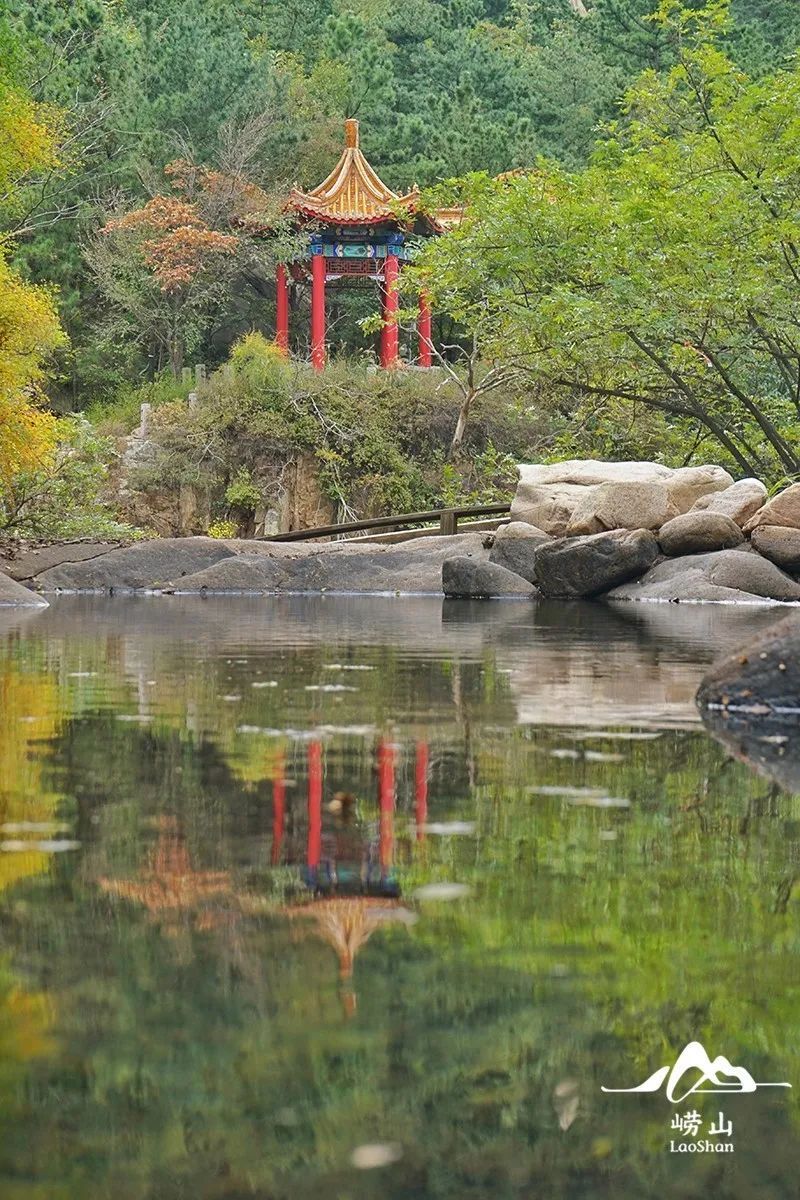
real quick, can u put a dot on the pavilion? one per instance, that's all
(358, 229)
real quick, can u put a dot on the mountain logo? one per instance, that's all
(718, 1077)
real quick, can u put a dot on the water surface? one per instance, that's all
(370, 897)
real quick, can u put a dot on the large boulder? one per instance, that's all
(740, 502)
(29, 562)
(13, 593)
(588, 566)
(645, 505)
(156, 563)
(696, 532)
(515, 547)
(725, 576)
(779, 544)
(783, 509)
(764, 674)
(412, 567)
(469, 577)
(585, 495)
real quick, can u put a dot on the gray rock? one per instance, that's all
(696, 532)
(14, 593)
(740, 501)
(725, 575)
(779, 544)
(156, 563)
(765, 673)
(464, 576)
(30, 563)
(588, 566)
(515, 546)
(412, 567)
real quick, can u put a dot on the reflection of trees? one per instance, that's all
(169, 886)
(225, 1073)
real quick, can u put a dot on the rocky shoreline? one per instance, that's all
(580, 529)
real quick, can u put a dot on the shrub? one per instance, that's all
(222, 529)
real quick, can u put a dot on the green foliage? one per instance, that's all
(380, 439)
(242, 492)
(654, 292)
(66, 497)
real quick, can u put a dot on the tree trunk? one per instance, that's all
(461, 425)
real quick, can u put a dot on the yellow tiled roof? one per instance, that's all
(353, 192)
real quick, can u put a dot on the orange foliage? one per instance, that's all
(183, 243)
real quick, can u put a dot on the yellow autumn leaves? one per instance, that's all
(29, 325)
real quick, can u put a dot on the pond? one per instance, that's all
(370, 897)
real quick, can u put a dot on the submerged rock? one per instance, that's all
(761, 678)
(695, 532)
(469, 577)
(515, 547)
(588, 566)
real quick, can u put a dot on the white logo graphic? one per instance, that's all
(719, 1074)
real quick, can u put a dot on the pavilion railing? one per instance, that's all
(447, 519)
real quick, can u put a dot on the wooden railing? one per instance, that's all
(447, 519)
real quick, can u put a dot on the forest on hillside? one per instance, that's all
(108, 109)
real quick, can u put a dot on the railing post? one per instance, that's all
(448, 521)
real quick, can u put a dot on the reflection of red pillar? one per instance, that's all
(386, 796)
(281, 308)
(318, 311)
(389, 339)
(278, 810)
(424, 330)
(314, 849)
(421, 788)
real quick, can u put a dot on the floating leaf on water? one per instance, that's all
(232, 698)
(347, 667)
(601, 801)
(44, 847)
(566, 1101)
(599, 756)
(446, 828)
(81, 674)
(557, 790)
(329, 687)
(564, 753)
(32, 827)
(376, 1154)
(443, 891)
(264, 683)
(617, 735)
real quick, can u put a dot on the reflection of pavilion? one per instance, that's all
(345, 909)
(169, 886)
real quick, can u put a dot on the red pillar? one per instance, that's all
(386, 755)
(318, 311)
(389, 337)
(424, 358)
(421, 789)
(281, 308)
(314, 844)
(278, 810)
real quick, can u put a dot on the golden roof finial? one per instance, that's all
(351, 133)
